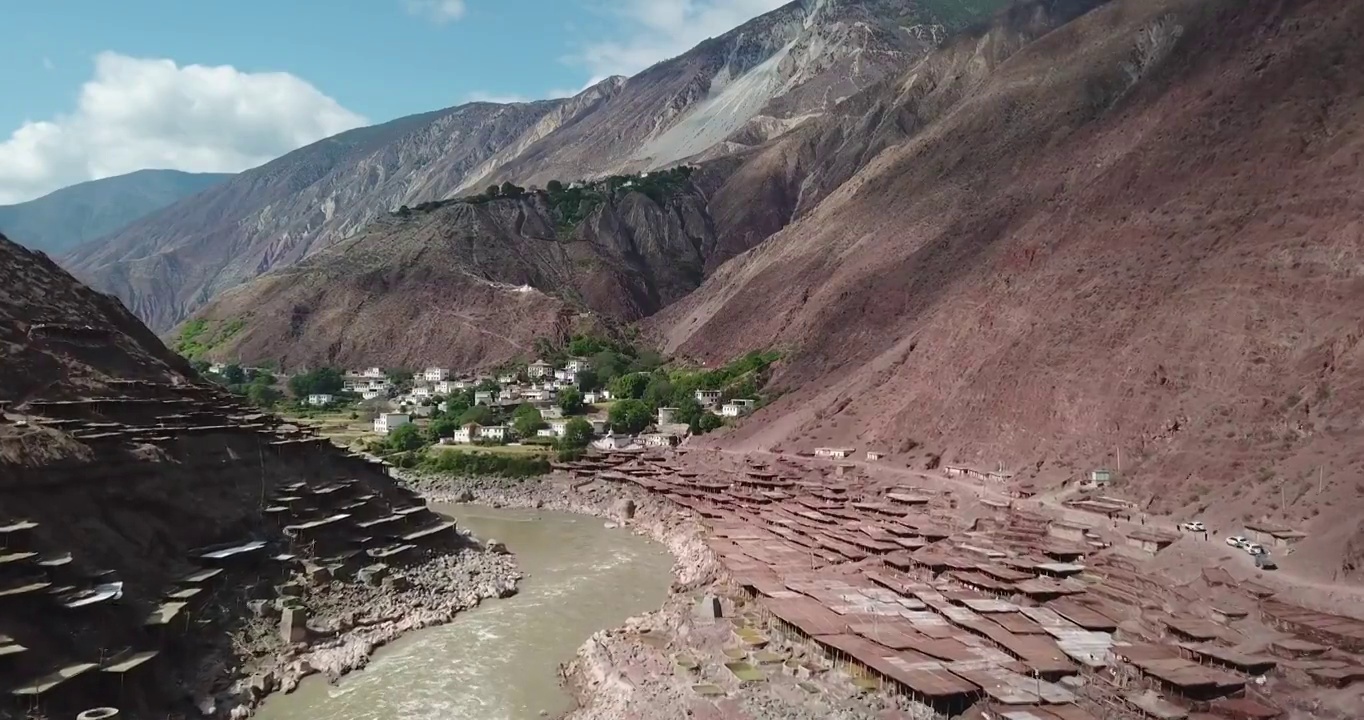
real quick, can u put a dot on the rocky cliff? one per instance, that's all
(729, 93)
(473, 283)
(143, 542)
(1130, 235)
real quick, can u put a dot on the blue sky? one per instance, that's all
(95, 88)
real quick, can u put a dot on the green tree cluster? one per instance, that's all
(323, 380)
(526, 420)
(577, 434)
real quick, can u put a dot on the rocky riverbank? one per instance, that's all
(670, 663)
(348, 620)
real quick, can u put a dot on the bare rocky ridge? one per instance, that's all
(759, 80)
(471, 284)
(120, 472)
(1132, 235)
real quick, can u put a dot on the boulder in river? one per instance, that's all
(496, 548)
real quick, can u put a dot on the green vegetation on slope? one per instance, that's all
(199, 336)
(571, 205)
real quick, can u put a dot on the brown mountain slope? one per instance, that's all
(1138, 234)
(759, 80)
(116, 464)
(466, 284)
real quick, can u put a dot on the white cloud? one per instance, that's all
(437, 11)
(661, 29)
(140, 113)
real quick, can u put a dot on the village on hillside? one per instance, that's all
(590, 394)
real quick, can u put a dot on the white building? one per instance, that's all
(374, 372)
(372, 394)
(613, 441)
(483, 397)
(660, 440)
(558, 426)
(506, 379)
(552, 412)
(466, 434)
(544, 432)
(445, 387)
(539, 395)
(578, 365)
(434, 374)
(566, 376)
(836, 453)
(217, 368)
(596, 396)
(423, 392)
(707, 398)
(387, 422)
(737, 407)
(539, 369)
(320, 399)
(494, 433)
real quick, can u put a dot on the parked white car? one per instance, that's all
(1193, 526)
(1254, 548)
(1237, 541)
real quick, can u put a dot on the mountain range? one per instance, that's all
(66, 218)
(1082, 234)
(776, 72)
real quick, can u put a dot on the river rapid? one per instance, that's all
(500, 661)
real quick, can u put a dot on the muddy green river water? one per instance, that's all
(500, 661)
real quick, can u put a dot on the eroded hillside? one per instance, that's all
(474, 283)
(138, 515)
(730, 93)
(1133, 235)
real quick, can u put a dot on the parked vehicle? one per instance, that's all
(1265, 562)
(1237, 541)
(1193, 526)
(1254, 548)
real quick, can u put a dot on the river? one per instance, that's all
(500, 661)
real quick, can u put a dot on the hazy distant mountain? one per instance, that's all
(61, 220)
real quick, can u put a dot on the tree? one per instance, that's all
(492, 191)
(659, 391)
(554, 186)
(707, 422)
(577, 434)
(200, 366)
(262, 395)
(234, 375)
(588, 380)
(441, 428)
(630, 416)
(608, 364)
(629, 387)
(481, 414)
(571, 401)
(320, 381)
(405, 437)
(489, 385)
(688, 410)
(400, 377)
(527, 420)
(511, 190)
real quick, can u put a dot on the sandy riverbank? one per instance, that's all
(348, 620)
(634, 670)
